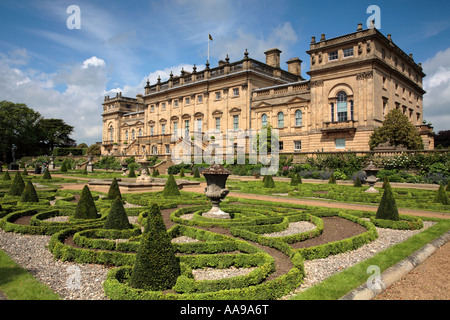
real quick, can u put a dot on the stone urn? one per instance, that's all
(216, 178)
(371, 171)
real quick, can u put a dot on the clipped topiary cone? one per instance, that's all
(448, 186)
(114, 190)
(171, 187)
(156, 267)
(182, 173)
(24, 172)
(86, 207)
(268, 182)
(196, 173)
(385, 181)
(332, 179)
(357, 183)
(47, 175)
(441, 196)
(387, 209)
(117, 218)
(131, 173)
(6, 176)
(29, 193)
(17, 186)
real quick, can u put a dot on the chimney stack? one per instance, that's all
(295, 66)
(273, 57)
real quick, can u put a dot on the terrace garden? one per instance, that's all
(267, 250)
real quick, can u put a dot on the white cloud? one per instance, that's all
(437, 85)
(79, 105)
(94, 61)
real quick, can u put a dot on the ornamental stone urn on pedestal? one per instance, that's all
(216, 178)
(371, 171)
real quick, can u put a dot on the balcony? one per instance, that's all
(341, 127)
(155, 139)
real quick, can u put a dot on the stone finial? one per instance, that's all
(194, 69)
(313, 40)
(360, 27)
(389, 36)
(322, 37)
(159, 80)
(246, 54)
(171, 75)
(227, 59)
(148, 84)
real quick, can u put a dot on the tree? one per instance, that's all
(86, 207)
(397, 130)
(56, 133)
(387, 209)
(94, 150)
(266, 142)
(442, 139)
(117, 218)
(171, 187)
(156, 267)
(19, 129)
(29, 194)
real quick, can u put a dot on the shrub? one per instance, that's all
(29, 194)
(441, 196)
(114, 190)
(268, 182)
(357, 183)
(117, 217)
(196, 173)
(17, 186)
(155, 173)
(131, 173)
(448, 186)
(24, 172)
(387, 210)
(296, 179)
(385, 182)
(6, 176)
(47, 175)
(332, 179)
(171, 187)
(156, 267)
(86, 207)
(63, 166)
(182, 173)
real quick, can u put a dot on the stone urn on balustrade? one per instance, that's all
(216, 177)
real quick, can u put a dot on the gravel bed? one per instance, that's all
(319, 269)
(217, 274)
(74, 281)
(293, 228)
(70, 280)
(184, 239)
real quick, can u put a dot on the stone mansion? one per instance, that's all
(355, 80)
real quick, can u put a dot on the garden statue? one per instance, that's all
(216, 177)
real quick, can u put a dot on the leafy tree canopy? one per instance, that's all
(398, 130)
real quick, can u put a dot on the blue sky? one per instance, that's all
(65, 73)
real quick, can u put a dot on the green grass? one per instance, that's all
(343, 282)
(407, 198)
(17, 284)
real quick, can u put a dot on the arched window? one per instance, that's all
(298, 118)
(264, 120)
(280, 120)
(126, 135)
(140, 133)
(111, 133)
(341, 100)
(133, 135)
